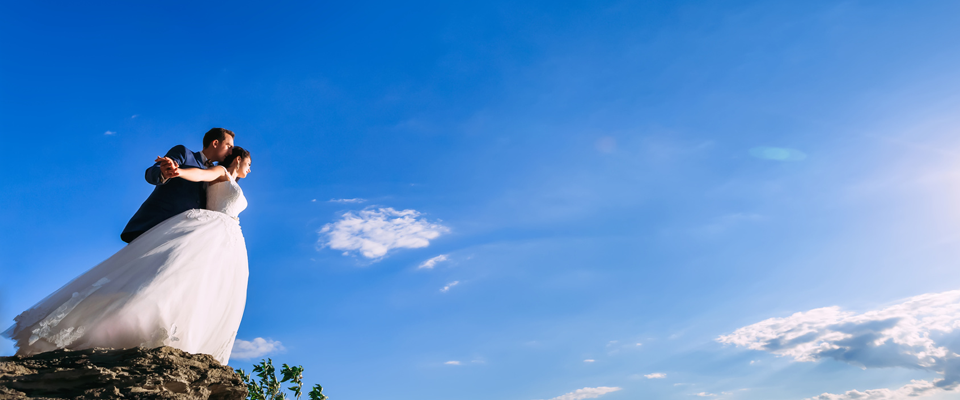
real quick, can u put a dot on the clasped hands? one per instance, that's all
(168, 167)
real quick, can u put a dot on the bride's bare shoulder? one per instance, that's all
(224, 175)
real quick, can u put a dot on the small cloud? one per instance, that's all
(452, 363)
(429, 264)
(589, 360)
(110, 133)
(374, 232)
(639, 344)
(134, 116)
(357, 200)
(754, 362)
(258, 347)
(777, 153)
(731, 218)
(705, 394)
(656, 375)
(449, 285)
(587, 393)
(313, 201)
(725, 222)
(606, 144)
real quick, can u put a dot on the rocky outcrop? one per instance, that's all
(137, 373)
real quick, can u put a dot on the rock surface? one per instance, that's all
(137, 373)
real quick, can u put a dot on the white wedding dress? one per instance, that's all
(183, 284)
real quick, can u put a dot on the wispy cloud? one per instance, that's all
(727, 221)
(587, 393)
(912, 334)
(656, 375)
(134, 116)
(606, 144)
(449, 285)
(777, 153)
(454, 362)
(257, 347)
(110, 133)
(374, 232)
(356, 200)
(429, 264)
(589, 360)
(705, 394)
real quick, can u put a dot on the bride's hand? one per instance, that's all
(168, 167)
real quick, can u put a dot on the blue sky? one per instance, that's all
(639, 184)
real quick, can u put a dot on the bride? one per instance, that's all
(183, 283)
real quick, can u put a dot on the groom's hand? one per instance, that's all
(168, 167)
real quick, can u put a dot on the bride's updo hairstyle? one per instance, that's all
(238, 152)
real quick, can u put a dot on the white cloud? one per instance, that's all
(918, 333)
(374, 232)
(587, 393)
(110, 133)
(357, 200)
(429, 264)
(656, 375)
(257, 347)
(705, 394)
(589, 360)
(449, 285)
(452, 363)
(134, 116)
(916, 388)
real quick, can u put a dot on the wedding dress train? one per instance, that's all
(183, 284)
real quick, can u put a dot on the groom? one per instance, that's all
(173, 195)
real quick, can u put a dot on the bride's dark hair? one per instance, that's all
(238, 152)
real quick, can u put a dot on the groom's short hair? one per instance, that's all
(216, 134)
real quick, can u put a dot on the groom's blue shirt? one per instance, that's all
(169, 198)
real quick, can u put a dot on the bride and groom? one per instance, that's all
(182, 279)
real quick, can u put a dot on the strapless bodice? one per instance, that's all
(226, 197)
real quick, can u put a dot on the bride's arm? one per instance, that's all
(202, 175)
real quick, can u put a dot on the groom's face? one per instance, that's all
(221, 148)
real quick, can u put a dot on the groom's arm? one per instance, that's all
(154, 175)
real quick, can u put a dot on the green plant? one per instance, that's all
(270, 388)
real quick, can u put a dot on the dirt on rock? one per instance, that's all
(137, 373)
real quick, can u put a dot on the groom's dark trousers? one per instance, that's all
(169, 198)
